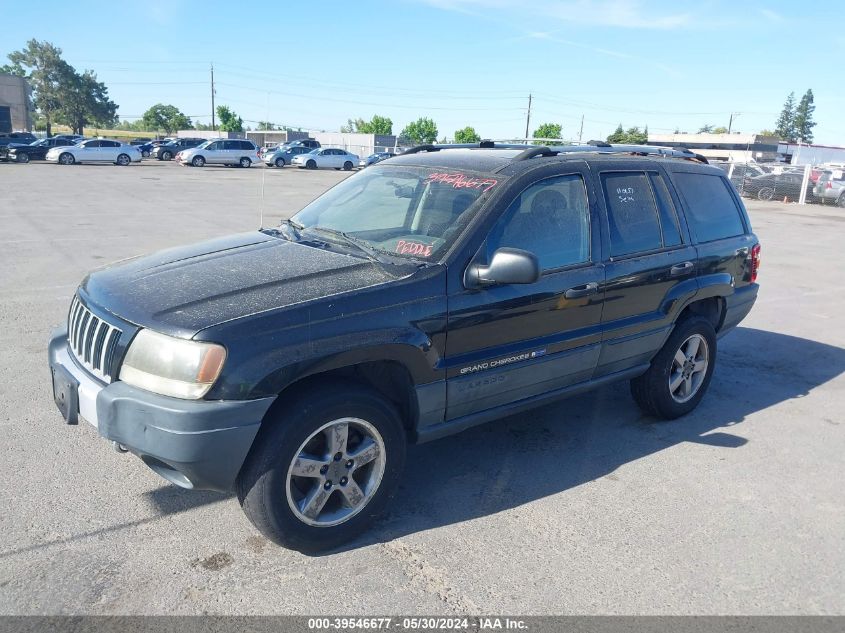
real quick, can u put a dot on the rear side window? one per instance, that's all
(631, 213)
(668, 215)
(712, 212)
(247, 145)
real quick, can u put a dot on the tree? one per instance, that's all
(766, 132)
(166, 117)
(548, 130)
(618, 135)
(803, 122)
(422, 131)
(48, 75)
(467, 135)
(266, 126)
(202, 127)
(720, 130)
(377, 125)
(785, 126)
(705, 129)
(229, 121)
(84, 101)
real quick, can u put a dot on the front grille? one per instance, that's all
(92, 340)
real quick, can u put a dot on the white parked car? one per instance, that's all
(222, 151)
(95, 150)
(325, 158)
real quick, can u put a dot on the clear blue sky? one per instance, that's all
(660, 63)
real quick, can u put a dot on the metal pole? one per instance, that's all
(528, 116)
(213, 125)
(581, 131)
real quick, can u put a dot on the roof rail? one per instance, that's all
(599, 144)
(485, 144)
(535, 151)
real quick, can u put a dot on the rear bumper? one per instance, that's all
(738, 305)
(191, 443)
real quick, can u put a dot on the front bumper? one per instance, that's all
(191, 443)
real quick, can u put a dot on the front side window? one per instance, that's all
(551, 219)
(413, 212)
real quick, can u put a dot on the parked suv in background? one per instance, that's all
(236, 152)
(167, 151)
(434, 292)
(831, 187)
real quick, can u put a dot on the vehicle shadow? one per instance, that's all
(526, 457)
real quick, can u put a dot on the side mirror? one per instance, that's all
(508, 266)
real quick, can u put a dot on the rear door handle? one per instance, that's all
(678, 270)
(582, 291)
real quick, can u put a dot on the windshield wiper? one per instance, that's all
(288, 228)
(361, 245)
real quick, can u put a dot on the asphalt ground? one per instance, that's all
(581, 507)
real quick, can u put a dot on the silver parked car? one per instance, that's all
(830, 187)
(283, 155)
(223, 151)
(326, 157)
(95, 150)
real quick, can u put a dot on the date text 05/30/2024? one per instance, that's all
(416, 623)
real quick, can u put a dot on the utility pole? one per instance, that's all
(581, 131)
(731, 121)
(213, 125)
(528, 117)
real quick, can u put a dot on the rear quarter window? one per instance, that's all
(712, 212)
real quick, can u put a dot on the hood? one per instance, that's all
(187, 289)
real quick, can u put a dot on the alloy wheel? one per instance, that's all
(689, 368)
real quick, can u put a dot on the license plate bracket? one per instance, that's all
(66, 394)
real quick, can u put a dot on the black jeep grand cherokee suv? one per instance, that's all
(437, 290)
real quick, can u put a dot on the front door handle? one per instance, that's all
(582, 291)
(679, 270)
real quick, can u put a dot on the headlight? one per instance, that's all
(172, 366)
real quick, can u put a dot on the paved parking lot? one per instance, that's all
(580, 507)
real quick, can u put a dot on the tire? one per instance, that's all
(245, 162)
(198, 161)
(66, 158)
(274, 497)
(165, 156)
(654, 392)
(840, 201)
(311, 164)
(145, 154)
(766, 193)
(23, 157)
(123, 160)
(280, 162)
(347, 166)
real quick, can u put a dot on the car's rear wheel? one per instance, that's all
(67, 158)
(840, 201)
(323, 467)
(23, 157)
(311, 164)
(766, 193)
(280, 162)
(165, 156)
(347, 165)
(145, 154)
(680, 373)
(198, 161)
(245, 162)
(123, 160)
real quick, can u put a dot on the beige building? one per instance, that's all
(741, 148)
(14, 104)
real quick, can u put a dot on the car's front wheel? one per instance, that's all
(323, 467)
(680, 373)
(165, 156)
(198, 161)
(766, 193)
(840, 201)
(311, 164)
(23, 157)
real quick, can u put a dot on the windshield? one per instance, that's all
(411, 212)
(204, 145)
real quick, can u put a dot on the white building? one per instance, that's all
(804, 154)
(360, 144)
(740, 148)
(14, 104)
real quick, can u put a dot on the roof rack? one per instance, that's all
(606, 148)
(485, 144)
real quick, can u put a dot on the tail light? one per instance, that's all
(828, 185)
(755, 262)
